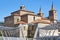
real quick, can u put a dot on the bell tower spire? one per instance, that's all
(52, 8)
(52, 14)
(40, 13)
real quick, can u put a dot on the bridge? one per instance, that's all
(42, 33)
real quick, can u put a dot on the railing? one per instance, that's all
(17, 38)
(14, 38)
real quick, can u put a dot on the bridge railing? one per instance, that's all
(17, 38)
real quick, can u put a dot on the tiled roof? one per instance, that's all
(44, 18)
(41, 21)
(15, 11)
(16, 14)
(7, 17)
(27, 11)
(28, 14)
(21, 22)
(21, 10)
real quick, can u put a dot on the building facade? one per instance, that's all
(28, 16)
(29, 20)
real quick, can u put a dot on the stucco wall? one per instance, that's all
(30, 18)
(23, 30)
(15, 19)
(24, 18)
(23, 12)
(37, 17)
(9, 21)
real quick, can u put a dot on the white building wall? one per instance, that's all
(15, 19)
(37, 17)
(23, 30)
(23, 12)
(30, 18)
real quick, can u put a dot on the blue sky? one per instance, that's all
(8, 6)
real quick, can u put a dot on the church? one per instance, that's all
(23, 16)
(32, 25)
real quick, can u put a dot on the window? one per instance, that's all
(32, 27)
(34, 18)
(17, 20)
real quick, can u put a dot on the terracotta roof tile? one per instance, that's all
(41, 21)
(44, 18)
(27, 11)
(21, 22)
(28, 14)
(16, 14)
(8, 17)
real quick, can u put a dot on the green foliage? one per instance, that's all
(1, 24)
(0, 33)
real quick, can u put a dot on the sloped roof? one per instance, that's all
(15, 11)
(28, 14)
(44, 18)
(21, 10)
(16, 14)
(27, 11)
(41, 21)
(21, 22)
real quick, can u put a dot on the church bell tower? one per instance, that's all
(53, 14)
(40, 13)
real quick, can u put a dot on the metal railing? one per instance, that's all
(41, 38)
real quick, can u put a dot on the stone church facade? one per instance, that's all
(23, 16)
(28, 18)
